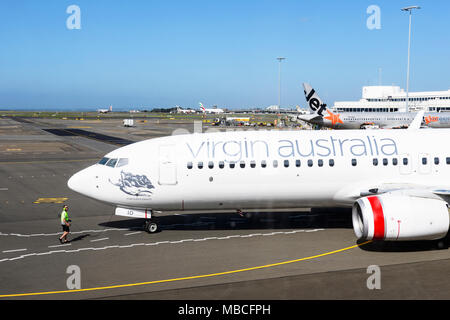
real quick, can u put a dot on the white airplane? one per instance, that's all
(324, 117)
(186, 111)
(396, 181)
(105, 110)
(213, 110)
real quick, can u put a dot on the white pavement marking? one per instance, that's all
(58, 233)
(153, 243)
(130, 234)
(15, 250)
(3, 189)
(314, 230)
(60, 245)
(169, 226)
(99, 239)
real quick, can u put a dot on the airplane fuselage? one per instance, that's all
(213, 111)
(357, 120)
(265, 169)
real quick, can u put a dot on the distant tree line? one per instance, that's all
(161, 110)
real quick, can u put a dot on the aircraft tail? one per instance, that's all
(313, 99)
(202, 107)
(110, 108)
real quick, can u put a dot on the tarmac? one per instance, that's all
(289, 254)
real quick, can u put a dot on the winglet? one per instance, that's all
(417, 122)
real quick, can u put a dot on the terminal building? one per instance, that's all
(393, 99)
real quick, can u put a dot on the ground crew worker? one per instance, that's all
(65, 223)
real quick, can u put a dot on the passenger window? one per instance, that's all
(232, 164)
(200, 165)
(448, 160)
(242, 164)
(297, 163)
(424, 161)
(375, 161)
(310, 163)
(394, 161)
(405, 161)
(354, 163)
(103, 161)
(320, 163)
(122, 162)
(221, 164)
(111, 163)
(253, 164)
(331, 162)
(385, 162)
(436, 160)
(189, 165)
(210, 164)
(286, 163)
(263, 164)
(275, 163)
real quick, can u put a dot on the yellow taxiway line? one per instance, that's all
(50, 200)
(185, 278)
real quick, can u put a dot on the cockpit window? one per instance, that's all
(122, 162)
(111, 163)
(103, 161)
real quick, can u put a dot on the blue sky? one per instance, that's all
(134, 54)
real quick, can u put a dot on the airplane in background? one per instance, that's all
(105, 110)
(324, 117)
(213, 110)
(187, 111)
(397, 182)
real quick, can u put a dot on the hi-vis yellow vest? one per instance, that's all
(64, 217)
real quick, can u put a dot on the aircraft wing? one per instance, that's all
(443, 193)
(409, 189)
(416, 123)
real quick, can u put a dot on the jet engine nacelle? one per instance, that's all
(391, 217)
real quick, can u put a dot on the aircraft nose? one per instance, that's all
(76, 182)
(82, 181)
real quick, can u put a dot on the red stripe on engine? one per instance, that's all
(378, 217)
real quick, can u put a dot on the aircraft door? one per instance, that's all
(167, 165)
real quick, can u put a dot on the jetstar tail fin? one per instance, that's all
(313, 99)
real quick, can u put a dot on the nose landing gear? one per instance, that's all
(151, 226)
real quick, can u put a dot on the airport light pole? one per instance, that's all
(409, 49)
(279, 80)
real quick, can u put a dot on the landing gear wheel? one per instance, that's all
(151, 226)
